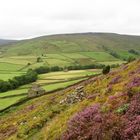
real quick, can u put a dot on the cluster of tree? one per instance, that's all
(114, 54)
(83, 67)
(130, 59)
(133, 52)
(44, 69)
(111, 52)
(92, 66)
(29, 77)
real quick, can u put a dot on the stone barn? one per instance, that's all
(35, 90)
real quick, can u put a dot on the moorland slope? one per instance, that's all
(108, 109)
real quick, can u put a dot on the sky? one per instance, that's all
(22, 19)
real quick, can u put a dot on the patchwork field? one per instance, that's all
(50, 81)
(20, 63)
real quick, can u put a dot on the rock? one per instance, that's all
(34, 118)
(23, 122)
(77, 96)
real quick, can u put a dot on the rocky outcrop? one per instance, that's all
(77, 96)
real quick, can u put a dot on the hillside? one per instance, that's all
(75, 43)
(6, 42)
(108, 108)
(72, 49)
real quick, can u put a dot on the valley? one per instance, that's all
(61, 64)
(50, 82)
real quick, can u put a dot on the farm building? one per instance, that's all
(35, 90)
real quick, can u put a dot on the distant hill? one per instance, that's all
(5, 42)
(75, 43)
(71, 49)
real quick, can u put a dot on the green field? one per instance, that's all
(19, 63)
(49, 81)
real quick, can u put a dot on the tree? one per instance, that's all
(29, 77)
(28, 64)
(42, 70)
(39, 59)
(130, 59)
(133, 52)
(106, 69)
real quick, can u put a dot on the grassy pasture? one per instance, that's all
(60, 59)
(9, 101)
(9, 75)
(99, 56)
(4, 66)
(124, 54)
(112, 62)
(9, 70)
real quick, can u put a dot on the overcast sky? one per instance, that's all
(21, 19)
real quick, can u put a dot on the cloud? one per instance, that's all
(21, 19)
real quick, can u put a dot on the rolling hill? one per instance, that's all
(68, 43)
(108, 108)
(72, 49)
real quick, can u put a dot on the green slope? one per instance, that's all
(71, 49)
(74, 42)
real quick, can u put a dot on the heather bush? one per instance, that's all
(117, 100)
(109, 88)
(131, 129)
(115, 80)
(85, 125)
(124, 67)
(91, 124)
(135, 82)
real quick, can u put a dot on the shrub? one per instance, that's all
(131, 127)
(29, 77)
(38, 59)
(130, 59)
(91, 124)
(115, 80)
(106, 69)
(133, 52)
(81, 124)
(42, 70)
(55, 68)
(122, 109)
(135, 82)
